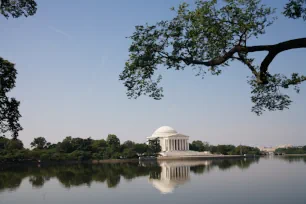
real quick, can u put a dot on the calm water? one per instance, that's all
(266, 180)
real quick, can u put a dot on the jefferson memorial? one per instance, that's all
(170, 140)
(173, 143)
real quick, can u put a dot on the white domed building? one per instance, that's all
(170, 139)
(174, 144)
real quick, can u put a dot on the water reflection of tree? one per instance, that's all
(200, 169)
(110, 174)
(38, 181)
(292, 159)
(73, 175)
(154, 175)
(10, 180)
(223, 165)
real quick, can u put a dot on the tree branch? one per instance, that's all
(278, 48)
(272, 49)
(248, 63)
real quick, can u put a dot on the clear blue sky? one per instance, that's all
(69, 56)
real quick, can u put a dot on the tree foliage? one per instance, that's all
(113, 141)
(199, 146)
(154, 146)
(14, 144)
(225, 149)
(98, 145)
(40, 143)
(9, 113)
(207, 38)
(17, 8)
(291, 150)
(3, 143)
(241, 149)
(141, 148)
(296, 9)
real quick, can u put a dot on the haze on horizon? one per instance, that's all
(69, 57)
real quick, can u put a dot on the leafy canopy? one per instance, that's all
(296, 9)
(9, 113)
(17, 8)
(40, 143)
(207, 38)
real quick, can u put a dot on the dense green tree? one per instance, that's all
(141, 148)
(98, 145)
(69, 144)
(81, 144)
(225, 149)
(154, 146)
(246, 150)
(128, 149)
(113, 141)
(129, 153)
(207, 37)
(40, 143)
(213, 149)
(14, 144)
(199, 146)
(129, 144)
(9, 113)
(3, 143)
(291, 150)
(79, 155)
(65, 146)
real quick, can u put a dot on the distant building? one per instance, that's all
(271, 150)
(286, 146)
(268, 150)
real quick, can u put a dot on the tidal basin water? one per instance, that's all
(265, 180)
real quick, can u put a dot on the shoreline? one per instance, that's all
(116, 161)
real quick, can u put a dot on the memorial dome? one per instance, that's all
(164, 131)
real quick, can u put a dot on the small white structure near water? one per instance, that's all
(173, 143)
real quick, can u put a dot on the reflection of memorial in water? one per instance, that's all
(164, 175)
(173, 174)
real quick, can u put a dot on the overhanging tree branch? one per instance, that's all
(278, 48)
(210, 35)
(272, 49)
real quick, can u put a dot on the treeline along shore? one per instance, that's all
(78, 149)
